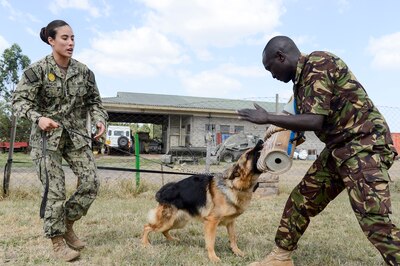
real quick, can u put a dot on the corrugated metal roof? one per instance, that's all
(186, 101)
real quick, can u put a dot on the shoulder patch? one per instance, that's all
(31, 75)
(91, 78)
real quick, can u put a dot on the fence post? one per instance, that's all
(208, 152)
(162, 174)
(7, 170)
(137, 159)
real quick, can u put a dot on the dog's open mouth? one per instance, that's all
(255, 168)
(256, 155)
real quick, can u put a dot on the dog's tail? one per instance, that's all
(163, 210)
(152, 216)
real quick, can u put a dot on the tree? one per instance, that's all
(11, 65)
(156, 131)
(4, 122)
(23, 127)
(144, 128)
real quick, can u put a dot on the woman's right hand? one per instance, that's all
(47, 124)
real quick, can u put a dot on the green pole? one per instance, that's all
(137, 157)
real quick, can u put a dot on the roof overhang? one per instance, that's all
(167, 110)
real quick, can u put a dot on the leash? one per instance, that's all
(90, 138)
(6, 180)
(44, 154)
(152, 171)
(186, 172)
(46, 188)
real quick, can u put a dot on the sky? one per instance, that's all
(212, 48)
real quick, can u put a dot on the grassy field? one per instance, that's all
(114, 224)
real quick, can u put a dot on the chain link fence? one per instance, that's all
(160, 143)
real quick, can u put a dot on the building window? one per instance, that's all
(210, 127)
(224, 133)
(239, 129)
(224, 129)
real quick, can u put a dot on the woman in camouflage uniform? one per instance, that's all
(358, 153)
(57, 94)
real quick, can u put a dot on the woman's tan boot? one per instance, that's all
(72, 240)
(62, 251)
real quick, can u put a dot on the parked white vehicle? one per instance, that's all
(300, 154)
(119, 138)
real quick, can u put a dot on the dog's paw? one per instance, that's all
(146, 243)
(173, 239)
(215, 259)
(238, 252)
(169, 237)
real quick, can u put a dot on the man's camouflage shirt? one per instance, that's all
(324, 85)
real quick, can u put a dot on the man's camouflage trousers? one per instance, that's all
(82, 163)
(365, 177)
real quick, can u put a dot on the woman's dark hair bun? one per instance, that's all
(43, 35)
(51, 30)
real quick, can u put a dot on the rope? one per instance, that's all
(272, 130)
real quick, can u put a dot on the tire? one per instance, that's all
(237, 155)
(214, 152)
(123, 142)
(132, 150)
(227, 157)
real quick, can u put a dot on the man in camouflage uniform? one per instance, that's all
(358, 153)
(57, 102)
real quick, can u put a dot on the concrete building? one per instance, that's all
(187, 120)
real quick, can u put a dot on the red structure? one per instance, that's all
(5, 146)
(396, 141)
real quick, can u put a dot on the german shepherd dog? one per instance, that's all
(214, 200)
